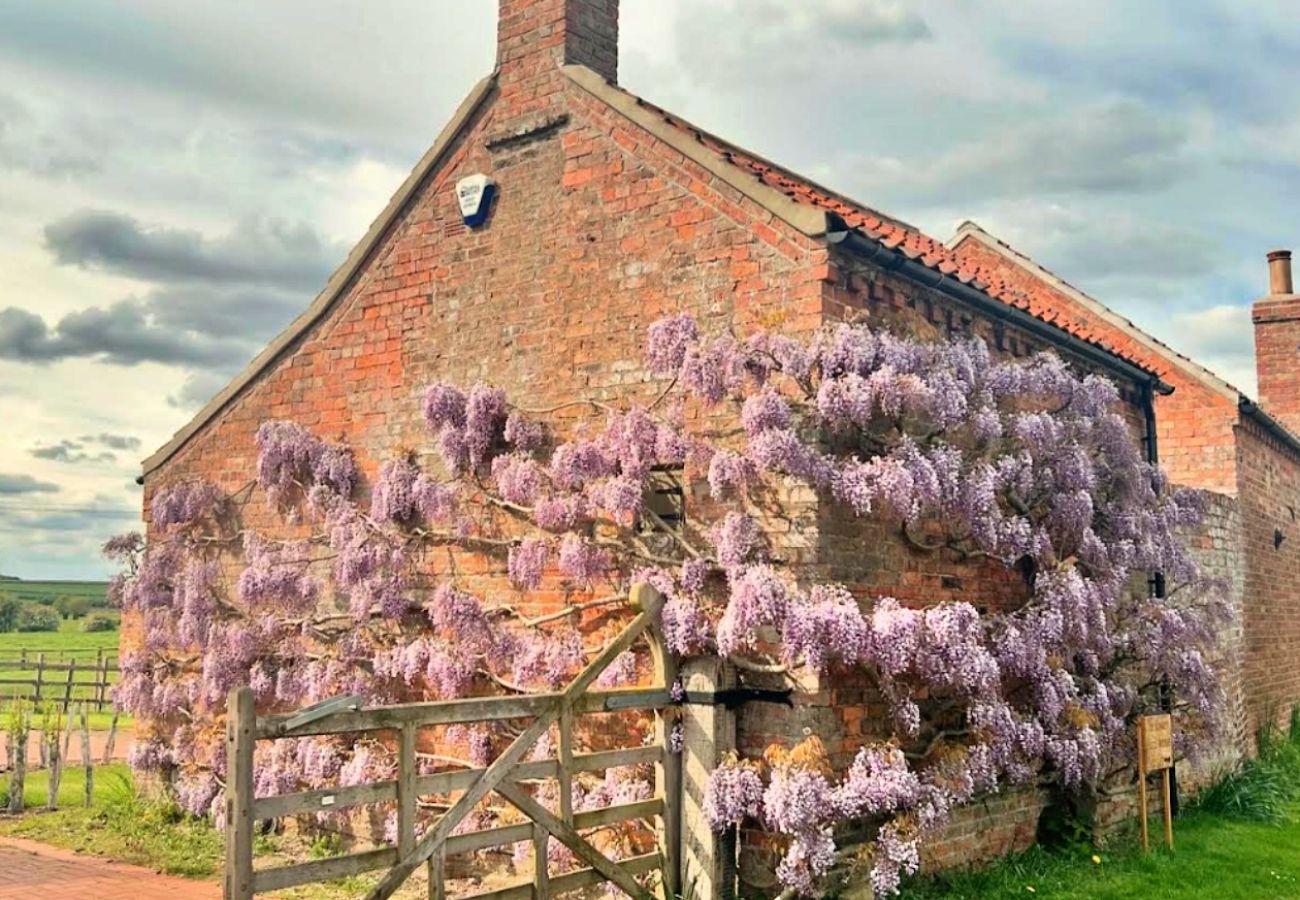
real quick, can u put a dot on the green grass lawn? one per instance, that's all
(1213, 859)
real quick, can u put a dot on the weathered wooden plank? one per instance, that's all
(608, 759)
(459, 712)
(541, 864)
(313, 801)
(668, 768)
(504, 835)
(566, 764)
(406, 793)
(437, 875)
(267, 880)
(240, 717)
(568, 836)
(569, 881)
(473, 841)
(324, 798)
(623, 812)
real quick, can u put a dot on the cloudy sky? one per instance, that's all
(177, 180)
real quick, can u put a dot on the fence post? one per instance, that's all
(67, 690)
(86, 762)
(708, 860)
(437, 874)
(241, 722)
(668, 771)
(406, 792)
(101, 680)
(40, 676)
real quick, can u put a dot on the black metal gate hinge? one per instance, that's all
(731, 698)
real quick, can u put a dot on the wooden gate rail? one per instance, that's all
(502, 776)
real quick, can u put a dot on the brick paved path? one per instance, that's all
(31, 871)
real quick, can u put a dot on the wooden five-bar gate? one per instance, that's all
(502, 777)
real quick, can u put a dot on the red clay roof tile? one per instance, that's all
(891, 233)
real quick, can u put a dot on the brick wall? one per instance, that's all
(1277, 357)
(1219, 547)
(1270, 499)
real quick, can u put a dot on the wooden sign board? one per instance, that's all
(1155, 746)
(1157, 742)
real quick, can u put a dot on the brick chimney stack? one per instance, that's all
(536, 35)
(1277, 344)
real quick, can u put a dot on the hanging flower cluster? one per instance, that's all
(1023, 468)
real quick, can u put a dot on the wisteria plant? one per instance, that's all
(1024, 467)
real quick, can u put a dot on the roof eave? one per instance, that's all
(1251, 409)
(1193, 369)
(915, 270)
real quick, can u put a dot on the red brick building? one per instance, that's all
(608, 214)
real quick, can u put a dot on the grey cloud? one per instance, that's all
(11, 485)
(326, 64)
(191, 327)
(71, 452)
(122, 334)
(113, 441)
(1097, 245)
(1113, 147)
(260, 251)
(774, 39)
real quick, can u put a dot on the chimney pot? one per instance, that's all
(1279, 272)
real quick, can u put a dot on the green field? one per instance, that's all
(47, 591)
(68, 641)
(67, 645)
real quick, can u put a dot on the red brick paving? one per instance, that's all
(30, 870)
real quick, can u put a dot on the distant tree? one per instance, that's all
(9, 609)
(99, 622)
(72, 607)
(37, 618)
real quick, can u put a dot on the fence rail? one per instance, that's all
(67, 682)
(505, 777)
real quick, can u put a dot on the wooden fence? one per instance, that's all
(66, 682)
(502, 776)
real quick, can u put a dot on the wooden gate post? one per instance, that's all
(668, 771)
(707, 859)
(241, 722)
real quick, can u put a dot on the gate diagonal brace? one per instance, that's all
(732, 698)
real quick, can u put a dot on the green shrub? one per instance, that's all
(37, 618)
(72, 607)
(99, 622)
(10, 607)
(1262, 789)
